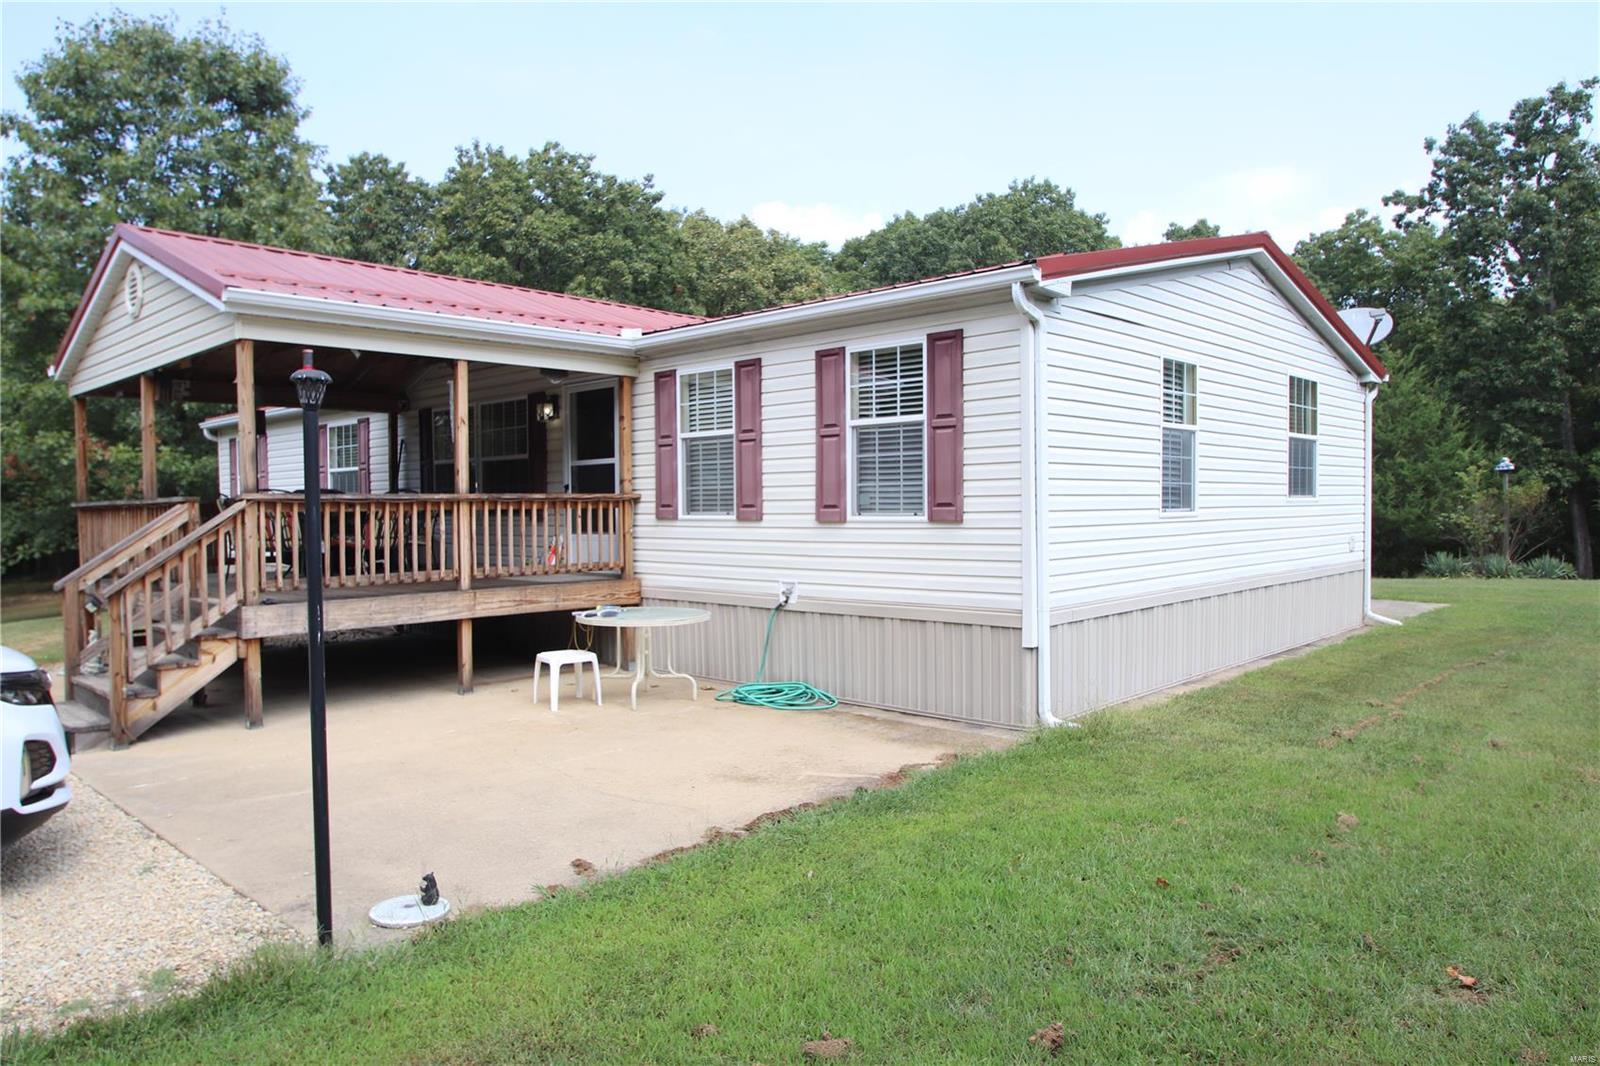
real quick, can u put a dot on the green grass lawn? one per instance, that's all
(30, 619)
(1219, 878)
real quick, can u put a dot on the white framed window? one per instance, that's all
(1179, 415)
(344, 457)
(1302, 437)
(498, 434)
(705, 437)
(887, 434)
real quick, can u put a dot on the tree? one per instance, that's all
(1519, 204)
(127, 120)
(1201, 228)
(725, 267)
(380, 213)
(1031, 218)
(550, 220)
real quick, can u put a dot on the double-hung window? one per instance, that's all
(344, 457)
(888, 435)
(1302, 437)
(1178, 417)
(705, 420)
(499, 439)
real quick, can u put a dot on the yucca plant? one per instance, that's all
(1496, 566)
(1547, 566)
(1444, 564)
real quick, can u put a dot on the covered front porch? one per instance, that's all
(443, 436)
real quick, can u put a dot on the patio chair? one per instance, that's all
(554, 661)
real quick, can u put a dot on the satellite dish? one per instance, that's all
(1371, 324)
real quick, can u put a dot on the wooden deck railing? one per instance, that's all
(80, 590)
(104, 523)
(410, 539)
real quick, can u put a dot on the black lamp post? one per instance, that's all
(311, 385)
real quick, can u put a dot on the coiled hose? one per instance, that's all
(779, 695)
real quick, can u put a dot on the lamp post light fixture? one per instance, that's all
(1504, 468)
(311, 385)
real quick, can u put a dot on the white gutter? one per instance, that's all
(900, 296)
(1035, 504)
(1371, 390)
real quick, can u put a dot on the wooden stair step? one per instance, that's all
(178, 660)
(217, 632)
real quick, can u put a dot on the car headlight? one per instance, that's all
(27, 775)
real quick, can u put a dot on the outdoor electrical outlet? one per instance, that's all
(788, 592)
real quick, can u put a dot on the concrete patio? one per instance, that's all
(490, 791)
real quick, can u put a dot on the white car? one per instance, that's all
(33, 761)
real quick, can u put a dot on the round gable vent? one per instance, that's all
(133, 291)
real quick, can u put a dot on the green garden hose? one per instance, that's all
(779, 695)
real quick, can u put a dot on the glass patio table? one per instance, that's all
(646, 620)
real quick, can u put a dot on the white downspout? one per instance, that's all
(1371, 390)
(1035, 500)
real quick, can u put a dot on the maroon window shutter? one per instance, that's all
(261, 455)
(425, 449)
(945, 429)
(233, 466)
(667, 444)
(364, 453)
(747, 440)
(538, 446)
(322, 456)
(831, 479)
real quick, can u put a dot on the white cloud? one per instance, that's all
(814, 222)
(1288, 202)
(1144, 227)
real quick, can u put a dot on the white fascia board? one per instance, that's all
(1061, 288)
(844, 305)
(433, 323)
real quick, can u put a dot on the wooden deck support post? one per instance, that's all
(147, 436)
(80, 449)
(251, 557)
(626, 649)
(466, 557)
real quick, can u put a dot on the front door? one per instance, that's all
(591, 418)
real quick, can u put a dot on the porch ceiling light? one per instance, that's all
(310, 384)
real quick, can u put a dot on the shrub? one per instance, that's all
(1445, 564)
(1547, 566)
(1496, 566)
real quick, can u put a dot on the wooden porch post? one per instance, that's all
(147, 436)
(626, 649)
(466, 557)
(251, 557)
(80, 448)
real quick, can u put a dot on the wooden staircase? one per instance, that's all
(153, 619)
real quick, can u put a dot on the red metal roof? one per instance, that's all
(214, 265)
(1066, 266)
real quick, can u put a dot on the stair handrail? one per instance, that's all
(176, 548)
(168, 521)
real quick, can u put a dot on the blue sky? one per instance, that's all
(825, 121)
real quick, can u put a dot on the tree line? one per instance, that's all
(129, 119)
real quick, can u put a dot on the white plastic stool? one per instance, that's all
(555, 660)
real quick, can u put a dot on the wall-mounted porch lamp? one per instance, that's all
(311, 385)
(547, 410)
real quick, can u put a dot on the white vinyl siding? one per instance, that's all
(909, 565)
(1104, 355)
(1302, 437)
(705, 432)
(172, 321)
(1179, 406)
(285, 459)
(887, 435)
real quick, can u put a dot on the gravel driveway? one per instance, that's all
(99, 913)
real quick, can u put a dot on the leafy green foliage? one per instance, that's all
(725, 267)
(1548, 567)
(1478, 522)
(1496, 566)
(1445, 564)
(379, 212)
(1201, 228)
(1518, 203)
(127, 120)
(1032, 217)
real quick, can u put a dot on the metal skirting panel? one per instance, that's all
(974, 673)
(1115, 657)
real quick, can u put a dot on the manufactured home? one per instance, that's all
(1008, 496)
